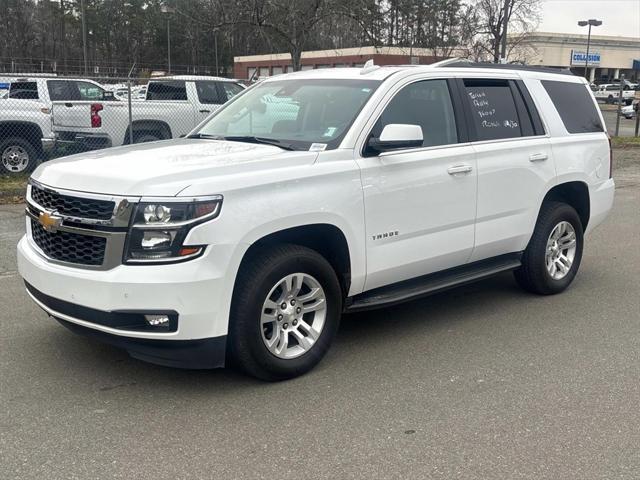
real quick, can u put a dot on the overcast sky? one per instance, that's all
(619, 17)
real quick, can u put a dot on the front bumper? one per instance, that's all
(194, 290)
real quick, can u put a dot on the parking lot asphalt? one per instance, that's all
(481, 382)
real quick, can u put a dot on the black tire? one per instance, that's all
(533, 275)
(145, 137)
(24, 146)
(609, 99)
(258, 275)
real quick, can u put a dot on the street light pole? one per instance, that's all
(591, 23)
(166, 9)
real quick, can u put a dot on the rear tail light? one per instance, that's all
(96, 121)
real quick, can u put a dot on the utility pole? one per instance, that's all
(84, 37)
(505, 28)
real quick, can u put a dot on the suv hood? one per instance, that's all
(163, 168)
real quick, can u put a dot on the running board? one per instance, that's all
(432, 283)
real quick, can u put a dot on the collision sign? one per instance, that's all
(580, 58)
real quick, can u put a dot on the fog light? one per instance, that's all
(157, 320)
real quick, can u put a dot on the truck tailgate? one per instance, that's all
(72, 114)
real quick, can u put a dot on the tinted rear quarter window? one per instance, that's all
(574, 105)
(24, 90)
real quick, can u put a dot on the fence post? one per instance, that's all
(130, 112)
(620, 98)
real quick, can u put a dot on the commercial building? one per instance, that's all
(253, 66)
(609, 57)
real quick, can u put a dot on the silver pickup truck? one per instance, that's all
(173, 107)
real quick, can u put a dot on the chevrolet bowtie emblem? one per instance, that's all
(49, 222)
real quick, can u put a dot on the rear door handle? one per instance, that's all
(538, 157)
(205, 111)
(459, 169)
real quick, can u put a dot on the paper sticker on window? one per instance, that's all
(330, 132)
(317, 147)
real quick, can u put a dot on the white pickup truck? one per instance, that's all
(610, 93)
(172, 108)
(25, 117)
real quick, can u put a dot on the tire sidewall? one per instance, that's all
(22, 143)
(246, 329)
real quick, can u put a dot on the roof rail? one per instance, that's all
(447, 62)
(500, 66)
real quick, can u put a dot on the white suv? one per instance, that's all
(314, 194)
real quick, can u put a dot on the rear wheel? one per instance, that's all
(17, 155)
(552, 258)
(285, 312)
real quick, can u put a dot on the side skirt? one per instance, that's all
(429, 284)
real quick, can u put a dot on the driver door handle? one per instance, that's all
(205, 111)
(464, 168)
(538, 157)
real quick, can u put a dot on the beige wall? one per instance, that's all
(548, 49)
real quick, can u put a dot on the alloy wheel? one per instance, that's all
(293, 315)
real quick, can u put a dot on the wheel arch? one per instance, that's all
(29, 131)
(325, 238)
(574, 193)
(159, 126)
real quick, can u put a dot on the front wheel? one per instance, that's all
(285, 312)
(552, 258)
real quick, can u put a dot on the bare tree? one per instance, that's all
(521, 17)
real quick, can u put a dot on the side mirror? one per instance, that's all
(397, 136)
(108, 96)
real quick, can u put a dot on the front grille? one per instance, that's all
(69, 247)
(72, 206)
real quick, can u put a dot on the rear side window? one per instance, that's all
(575, 106)
(59, 90)
(169, 90)
(24, 90)
(87, 91)
(208, 92)
(493, 109)
(231, 89)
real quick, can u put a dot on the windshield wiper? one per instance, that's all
(260, 140)
(207, 136)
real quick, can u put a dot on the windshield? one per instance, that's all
(298, 113)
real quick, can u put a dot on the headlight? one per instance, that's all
(159, 229)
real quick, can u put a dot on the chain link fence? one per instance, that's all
(44, 117)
